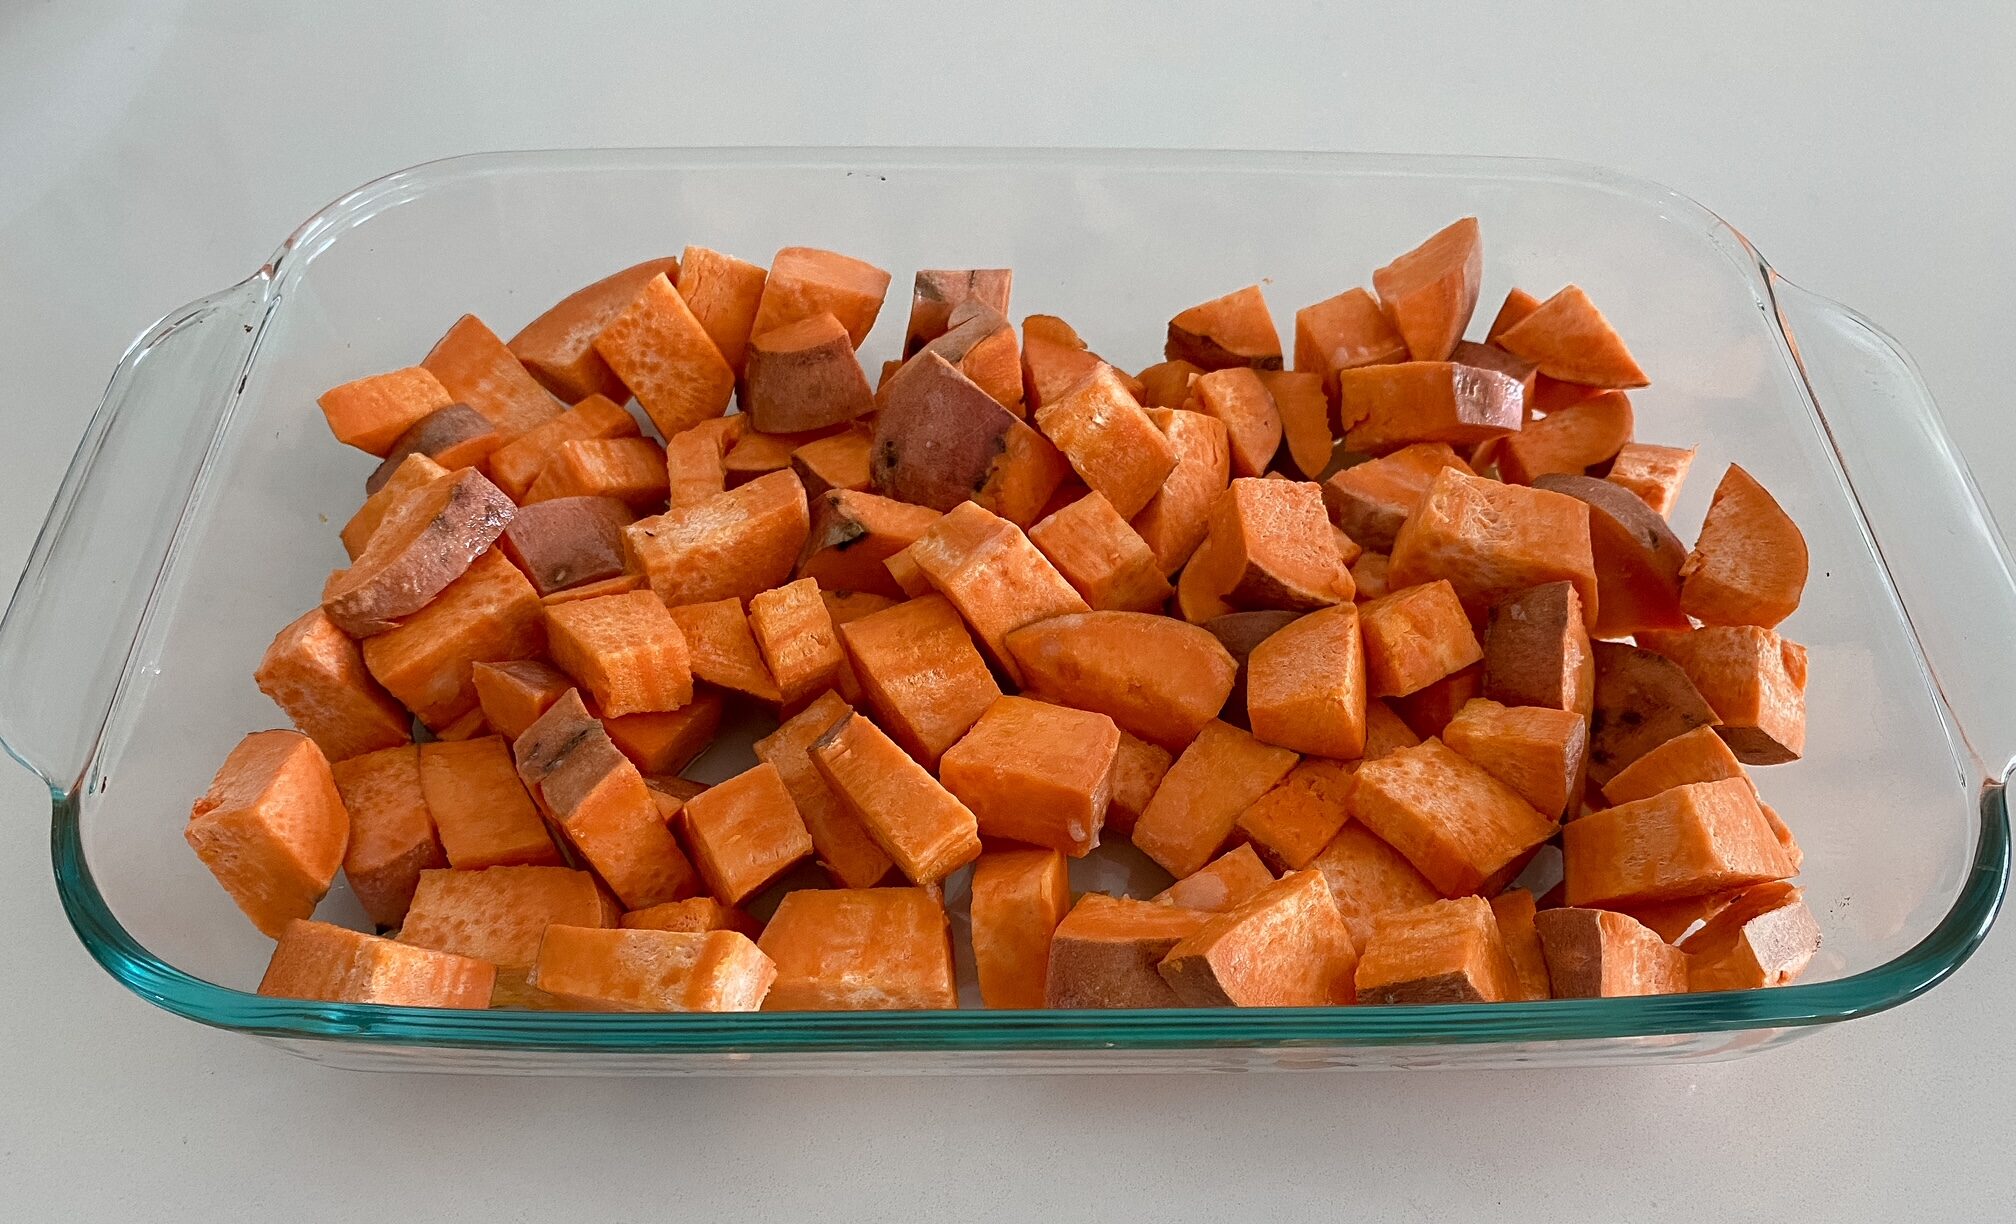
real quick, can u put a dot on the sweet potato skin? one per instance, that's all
(426, 542)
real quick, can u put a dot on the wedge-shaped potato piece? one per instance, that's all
(568, 541)
(696, 461)
(516, 465)
(512, 695)
(1234, 330)
(1138, 767)
(1369, 878)
(754, 453)
(1305, 418)
(558, 347)
(1208, 576)
(631, 470)
(1226, 881)
(392, 836)
(1653, 473)
(315, 673)
(921, 674)
(1019, 897)
(1371, 500)
(1175, 521)
(1700, 755)
(1456, 823)
(1101, 556)
(982, 345)
(626, 650)
(1518, 304)
(667, 359)
(692, 914)
(1105, 952)
(838, 461)
(839, 839)
(1156, 677)
(1537, 653)
(480, 808)
(723, 293)
(478, 370)
(853, 533)
(457, 436)
(1221, 774)
(745, 832)
(806, 281)
(271, 828)
(488, 615)
(1416, 636)
(1307, 686)
(497, 915)
(1386, 407)
(1516, 911)
(1385, 731)
(941, 440)
(667, 741)
(997, 579)
(1286, 947)
(595, 969)
(1054, 357)
(919, 824)
(1243, 404)
(372, 413)
(1166, 384)
(1443, 952)
(314, 960)
(1430, 292)
(1707, 837)
(1275, 539)
(1642, 700)
(1601, 954)
(804, 375)
(859, 949)
(1427, 711)
(1535, 751)
(1753, 679)
(413, 473)
(1491, 540)
(739, 544)
(426, 541)
(722, 651)
(1748, 566)
(1638, 557)
(1568, 442)
(1036, 773)
(937, 292)
(798, 640)
(1765, 936)
(1292, 823)
(1569, 339)
(1109, 439)
(1239, 633)
(1342, 333)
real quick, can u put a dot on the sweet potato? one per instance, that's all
(413, 473)
(1156, 677)
(515, 466)
(469, 726)
(593, 969)
(723, 651)
(1456, 823)
(1109, 439)
(271, 828)
(1642, 700)
(805, 281)
(723, 293)
(498, 915)
(1753, 679)
(1019, 897)
(666, 742)
(1292, 823)
(1241, 402)
(1342, 333)
(626, 650)
(1306, 687)
(745, 832)
(696, 461)
(940, 440)
(852, 534)
(738, 544)
(1518, 304)
(488, 615)
(1166, 384)
(804, 375)
(1491, 357)
(1234, 330)
(427, 540)
(392, 837)
(457, 436)
(1601, 954)
(1430, 292)
(1101, 556)
(937, 292)
(1239, 633)
(1386, 407)
(1369, 878)
(1218, 776)
(1638, 558)
(1427, 711)
(1138, 767)
(919, 824)
(1371, 500)
(671, 794)
(314, 960)
(1105, 952)
(1653, 473)
(477, 370)
(1537, 653)
(1231, 879)
(1748, 566)
(1176, 519)
(1276, 544)
(1385, 731)
(1536, 751)
(558, 347)
(981, 345)
(1569, 339)
(630, 470)
(839, 839)
(512, 695)
(921, 674)
(1414, 637)
(852, 949)
(755, 454)
(692, 914)
(372, 413)
(1305, 418)
(1286, 947)
(1568, 442)
(1699, 755)
(1689, 841)
(482, 813)
(994, 576)
(567, 541)
(837, 461)
(1036, 773)
(667, 359)
(315, 673)
(1207, 578)
(1765, 936)
(619, 584)
(1491, 540)
(1443, 952)
(797, 638)
(1515, 911)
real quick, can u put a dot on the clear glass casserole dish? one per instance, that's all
(200, 511)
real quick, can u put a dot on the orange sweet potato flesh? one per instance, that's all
(994, 576)
(1601, 954)
(754, 454)
(804, 375)
(515, 466)
(1371, 500)
(1156, 677)
(696, 461)
(692, 914)
(1414, 637)
(1443, 952)
(1689, 841)
(568, 541)
(839, 839)
(940, 439)
(1515, 911)
(1231, 879)
(1234, 330)
(1749, 564)
(1430, 292)
(1456, 823)
(1175, 520)
(1765, 936)
(427, 540)
(1103, 558)
(1138, 767)
(479, 807)
(271, 827)
(478, 370)
(1535, 751)
(723, 293)
(1699, 755)
(1219, 775)
(851, 535)
(1306, 687)
(1671, 920)
(1106, 951)
(667, 359)
(1569, 339)
(1035, 773)
(1491, 540)
(1638, 558)
(921, 674)
(1568, 442)
(1429, 710)
(738, 544)
(1642, 700)
(1275, 540)
(722, 649)
(838, 461)
(744, 833)
(938, 292)
(1369, 878)
(371, 413)
(558, 347)
(1653, 473)
(632, 470)
(805, 281)
(1210, 574)
(797, 638)
(919, 824)
(1518, 304)
(315, 673)
(619, 584)
(498, 914)
(982, 344)
(1109, 439)
(669, 741)
(1753, 679)
(594, 969)
(1239, 633)
(1386, 407)
(1305, 418)
(1237, 398)
(1286, 947)
(457, 436)
(855, 949)
(1342, 333)
(1291, 824)
(1166, 384)
(626, 650)
(514, 694)
(1019, 897)
(314, 960)
(413, 473)
(392, 837)
(488, 615)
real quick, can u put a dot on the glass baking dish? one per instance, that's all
(200, 512)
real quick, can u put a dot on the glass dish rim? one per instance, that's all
(1897, 981)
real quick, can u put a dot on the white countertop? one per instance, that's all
(152, 152)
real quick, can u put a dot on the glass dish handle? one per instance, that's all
(83, 597)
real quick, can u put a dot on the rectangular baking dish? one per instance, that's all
(200, 511)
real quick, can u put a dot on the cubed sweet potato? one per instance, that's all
(1699, 755)
(854, 949)
(1239, 633)
(668, 741)
(696, 461)
(479, 807)
(499, 914)
(1428, 710)
(567, 541)
(1138, 767)
(271, 828)
(455, 437)
(1387, 407)
(723, 651)
(314, 960)
(1602, 954)
(745, 832)
(371, 413)
(940, 440)
(1371, 500)
(937, 292)
(515, 466)
(1515, 911)
(1305, 418)
(1342, 333)
(1109, 439)
(919, 824)
(804, 375)
(1642, 700)
(806, 281)
(994, 576)
(1414, 637)
(837, 461)
(667, 359)
(738, 544)
(692, 914)
(595, 969)
(796, 635)
(839, 839)
(626, 650)
(1175, 520)
(414, 472)
(1154, 676)
(1286, 947)
(1234, 330)
(1218, 776)
(1166, 384)
(1019, 897)
(1569, 339)
(1752, 678)
(478, 370)
(723, 293)
(512, 695)
(558, 347)
(1568, 442)
(921, 674)
(426, 541)
(1456, 823)
(1226, 881)
(315, 673)
(631, 470)
(1291, 824)
(1653, 473)
(1306, 687)
(1491, 540)
(1369, 878)
(1430, 292)
(1101, 556)
(853, 533)
(1443, 952)
(1535, 751)
(1689, 841)
(489, 615)
(1275, 540)
(1106, 951)
(982, 345)
(1036, 773)
(1241, 402)
(1765, 936)
(1749, 563)
(392, 836)
(1638, 558)
(1537, 652)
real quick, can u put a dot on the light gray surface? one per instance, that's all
(155, 152)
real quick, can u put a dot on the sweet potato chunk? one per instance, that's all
(723, 651)
(1456, 823)
(413, 473)
(668, 741)
(1226, 881)
(805, 281)
(514, 694)
(488, 615)
(1101, 556)
(1518, 304)
(1515, 911)
(1105, 952)
(937, 292)
(1568, 442)
(426, 541)
(1342, 333)
(1369, 878)
(723, 293)
(804, 375)
(1305, 418)
(1306, 687)
(1707, 837)
(315, 673)
(696, 461)
(1601, 954)
(1569, 339)
(1416, 636)
(797, 638)
(477, 370)
(994, 576)
(1234, 330)
(1699, 755)
(631, 470)
(1428, 710)
(919, 824)
(1748, 566)
(754, 453)
(982, 345)
(1491, 540)
(1642, 700)
(1239, 633)
(314, 960)
(1537, 653)
(483, 814)
(1156, 677)
(457, 436)
(692, 914)
(738, 544)
(624, 649)
(1176, 519)
(1654, 473)
(498, 915)
(1138, 767)
(745, 832)
(1430, 292)
(271, 828)
(1387, 407)
(669, 362)
(558, 347)
(853, 533)
(1220, 775)
(515, 466)
(1385, 731)
(853, 949)
(594, 969)
(371, 413)
(567, 541)
(1241, 402)
(1166, 384)
(1109, 439)
(392, 837)
(1292, 823)
(1286, 947)
(920, 674)
(1638, 558)
(940, 440)
(840, 840)
(1491, 357)
(1035, 772)
(838, 461)
(1019, 897)
(1371, 500)
(1443, 952)
(1753, 679)
(1765, 936)
(1535, 751)
(1275, 541)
